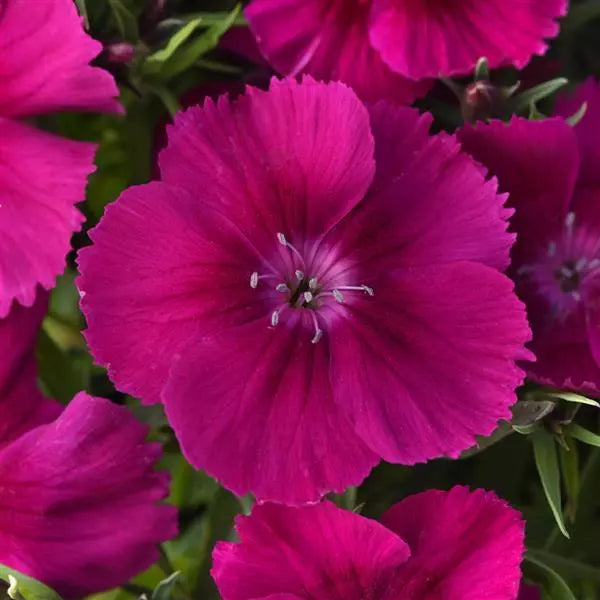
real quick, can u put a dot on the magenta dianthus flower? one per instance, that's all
(44, 56)
(79, 500)
(312, 286)
(551, 173)
(385, 48)
(456, 545)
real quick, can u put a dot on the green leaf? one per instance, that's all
(572, 397)
(181, 53)
(482, 70)
(554, 587)
(82, 8)
(156, 60)
(569, 463)
(571, 568)
(523, 101)
(165, 588)
(24, 587)
(546, 460)
(528, 412)
(125, 20)
(583, 435)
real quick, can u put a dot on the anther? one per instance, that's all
(274, 318)
(299, 275)
(368, 290)
(283, 241)
(318, 331)
(308, 297)
(338, 296)
(570, 220)
(576, 295)
(282, 287)
(312, 284)
(254, 280)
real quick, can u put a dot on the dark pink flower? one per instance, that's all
(311, 287)
(79, 499)
(44, 56)
(382, 48)
(551, 172)
(22, 406)
(456, 545)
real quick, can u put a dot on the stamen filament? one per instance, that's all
(318, 331)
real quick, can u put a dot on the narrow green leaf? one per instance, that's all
(82, 8)
(213, 18)
(583, 435)
(574, 569)
(524, 100)
(572, 397)
(154, 61)
(526, 429)
(554, 586)
(186, 55)
(125, 20)
(21, 586)
(528, 412)
(546, 460)
(482, 70)
(164, 590)
(569, 463)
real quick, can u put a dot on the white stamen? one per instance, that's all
(254, 280)
(566, 271)
(274, 318)
(283, 241)
(580, 264)
(338, 296)
(318, 332)
(576, 295)
(312, 284)
(299, 275)
(570, 220)
(308, 297)
(594, 263)
(368, 290)
(282, 287)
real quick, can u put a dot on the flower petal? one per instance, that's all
(164, 268)
(42, 177)
(429, 361)
(319, 552)
(428, 39)
(22, 406)
(587, 130)
(295, 158)
(291, 443)
(429, 204)
(44, 61)
(79, 500)
(537, 163)
(328, 39)
(464, 545)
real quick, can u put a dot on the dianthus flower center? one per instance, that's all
(299, 287)
(567, 263)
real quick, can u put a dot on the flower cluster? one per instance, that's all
(318, 279)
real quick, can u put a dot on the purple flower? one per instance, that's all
(79, 500)
(312, 286)
(551, 172)
(456, 545)
(387, 48)
(44, 67)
